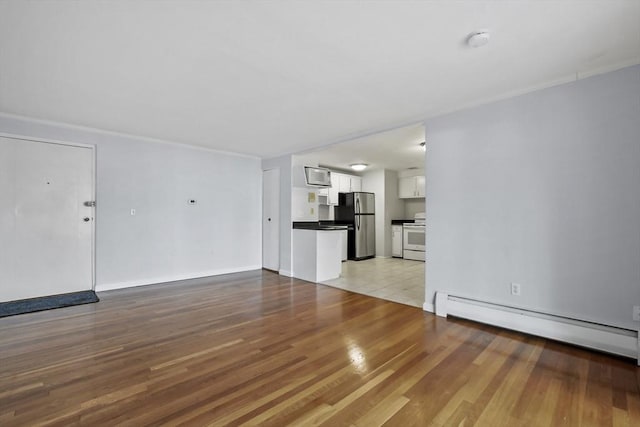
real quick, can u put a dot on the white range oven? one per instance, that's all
(414, 238)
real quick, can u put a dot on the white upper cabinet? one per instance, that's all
(411, 187)
(420, 186)
(356, 183)
(345, 183)
(350, 183)
(334, 189)
(341, 183)
(406, 187)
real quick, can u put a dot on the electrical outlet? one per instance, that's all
(636, 313)
(515, 289)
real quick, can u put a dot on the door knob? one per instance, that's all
(86, 219)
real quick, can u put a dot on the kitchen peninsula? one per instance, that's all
(317, 251)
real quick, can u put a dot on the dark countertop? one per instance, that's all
(318, 225)
(401, 221)
(349, 225)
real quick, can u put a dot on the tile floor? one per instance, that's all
(393, 279)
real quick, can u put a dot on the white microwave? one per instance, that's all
(317, 177)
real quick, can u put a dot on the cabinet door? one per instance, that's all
(420, 181)
(335, 187)
(345, 183)
(406, 187)
(396, 241)
(356, 183)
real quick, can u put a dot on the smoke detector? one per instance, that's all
(478, 38)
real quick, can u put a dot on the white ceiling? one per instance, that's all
(397, 149)
(275, 77)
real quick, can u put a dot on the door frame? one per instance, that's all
(262, 216)
(93, 187)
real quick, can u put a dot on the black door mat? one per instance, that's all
(30, 305)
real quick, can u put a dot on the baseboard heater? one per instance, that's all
(610, 339)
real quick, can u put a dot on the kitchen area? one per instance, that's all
(378, 212)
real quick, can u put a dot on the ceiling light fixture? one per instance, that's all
(359, 166)
(423, 145)
(478, 39)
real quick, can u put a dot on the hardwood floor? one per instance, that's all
(260, 349)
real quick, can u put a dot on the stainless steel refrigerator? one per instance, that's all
(358, 209)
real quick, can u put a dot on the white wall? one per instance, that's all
(414, 206)
(284, 165)
(167, 239)
(304, 198)
(394, 206)
(304, 204)
(543, 190)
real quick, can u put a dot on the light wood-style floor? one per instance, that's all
(394, 279)
(260, 349)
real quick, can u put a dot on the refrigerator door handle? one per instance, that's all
(358, 222)
(357, 206)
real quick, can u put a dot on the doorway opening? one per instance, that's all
(395, 173)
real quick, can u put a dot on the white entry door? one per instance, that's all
(46, 231)
(271, 219)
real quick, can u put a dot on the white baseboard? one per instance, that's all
(285, 273)
(429, 307)
(164, 279)
(609, 339)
